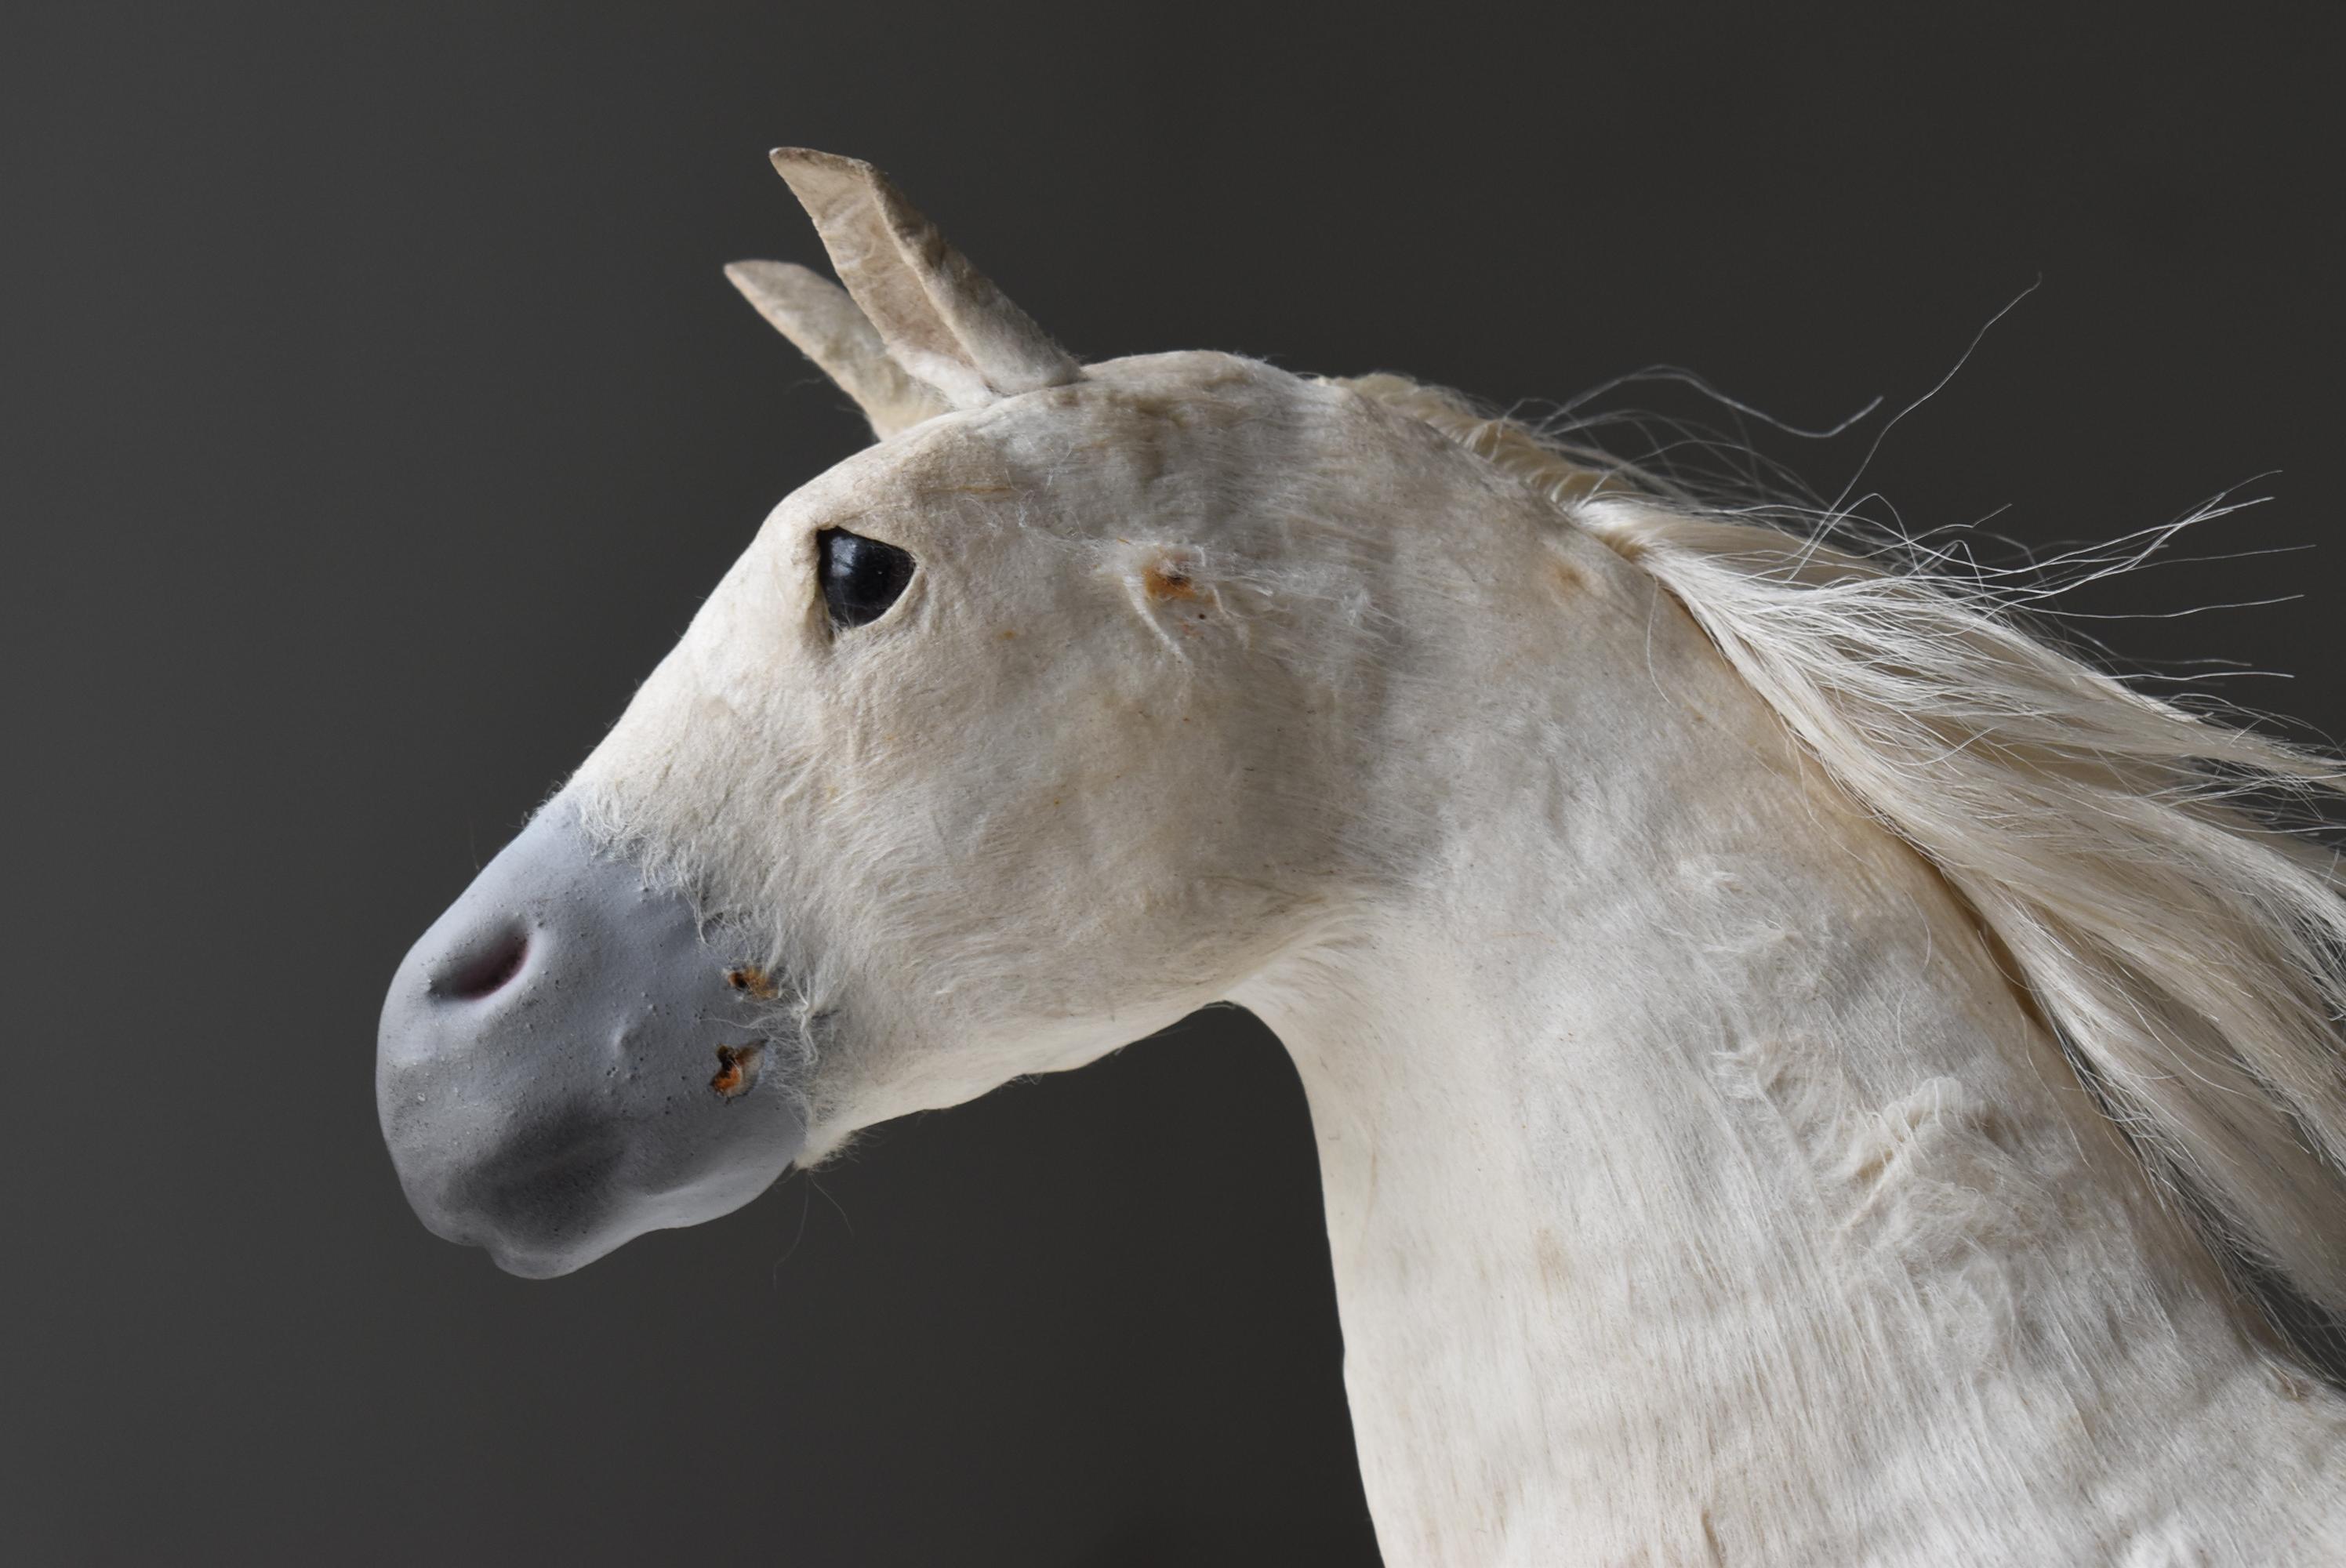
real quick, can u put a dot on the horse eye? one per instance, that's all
(861, 578)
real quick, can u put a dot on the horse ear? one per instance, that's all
(816, 315)
(942, 321)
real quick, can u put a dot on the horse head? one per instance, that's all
(1012, 738)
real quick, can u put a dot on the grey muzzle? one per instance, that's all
(565, 1063)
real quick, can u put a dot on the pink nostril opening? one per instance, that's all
(486, 972)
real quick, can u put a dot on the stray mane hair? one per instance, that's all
(2156, 881)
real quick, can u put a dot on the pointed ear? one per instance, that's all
(942, 321)
(816, 315)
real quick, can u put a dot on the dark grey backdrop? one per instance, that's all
(376, 416)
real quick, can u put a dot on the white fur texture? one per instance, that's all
(1628, 882)
(2144, 866)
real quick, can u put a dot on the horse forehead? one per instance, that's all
(1128, 423)
(1206, 409)
(1153, 454)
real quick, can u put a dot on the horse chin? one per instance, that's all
(551, 1256)
(544, 1205)
(538, 1216)
(551, 1263)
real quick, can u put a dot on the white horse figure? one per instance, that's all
(1805, 1071)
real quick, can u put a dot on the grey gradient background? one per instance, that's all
(374, 416)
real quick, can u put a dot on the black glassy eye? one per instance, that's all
(861, 578)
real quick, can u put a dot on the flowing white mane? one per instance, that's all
(2148, 875)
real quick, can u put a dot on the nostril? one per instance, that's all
(483, 970)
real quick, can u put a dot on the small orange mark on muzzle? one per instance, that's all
(754, 980)
(737, 1069)
(1164, 581)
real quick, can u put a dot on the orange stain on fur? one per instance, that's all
(737, 1067)
(1165, 580)
(754, 980)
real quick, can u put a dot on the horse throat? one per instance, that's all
(1699, 1191)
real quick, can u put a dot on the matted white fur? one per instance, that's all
(1665, 914)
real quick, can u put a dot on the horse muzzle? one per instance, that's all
(566, 1063)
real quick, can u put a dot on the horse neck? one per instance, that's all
(1698, 1188)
